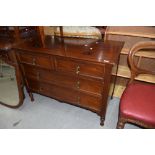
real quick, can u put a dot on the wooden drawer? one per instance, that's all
(90, 85)
(51, 77)
(89, 101)
(71, 96)
(80, 68)
(36, 60)
(58, 78)
(58, 92)
(80, 83)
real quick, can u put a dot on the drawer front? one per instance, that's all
(58, 78)
(58, 92)
(90, 85)
(65, 94)
(91, 69)
(84, 84)
(50, 76)
(37, 60)
(80, 68)
(71, 96)
(89, 101)
(66, 65)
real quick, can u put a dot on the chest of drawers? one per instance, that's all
(72, 73)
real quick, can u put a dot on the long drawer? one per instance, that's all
(79, 68)
(71, 96)
(42, 61)
(80, 83)
(66, 94)
(58, 92)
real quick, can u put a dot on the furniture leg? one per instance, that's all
(120, 124)
(102, 120)
(31, 96)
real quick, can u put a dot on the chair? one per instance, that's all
(137, 103)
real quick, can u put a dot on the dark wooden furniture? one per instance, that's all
(137, 103)
(10, 37)
(76, 71)
(8, 56)
(17, 32)
(41, 34)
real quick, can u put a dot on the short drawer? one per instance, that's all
(80, 68)
(36, 60)
(89, 101)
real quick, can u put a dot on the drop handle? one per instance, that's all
(34, 61)
(77, 69)
(78, 85)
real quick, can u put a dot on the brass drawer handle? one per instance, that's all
(78, 100)
(34, 61)
(78, 85)
(77, 69)
(77, 72)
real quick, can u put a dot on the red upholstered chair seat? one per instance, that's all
(138, 103)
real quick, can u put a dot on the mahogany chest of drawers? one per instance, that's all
(76, 71)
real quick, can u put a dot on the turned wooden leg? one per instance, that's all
(102, 120)
(31, 96)
(120, 124)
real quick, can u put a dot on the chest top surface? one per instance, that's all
(84, 49)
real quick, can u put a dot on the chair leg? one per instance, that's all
(120, 123)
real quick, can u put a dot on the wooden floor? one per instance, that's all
(119, 87)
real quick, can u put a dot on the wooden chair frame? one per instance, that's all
(135, 71)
